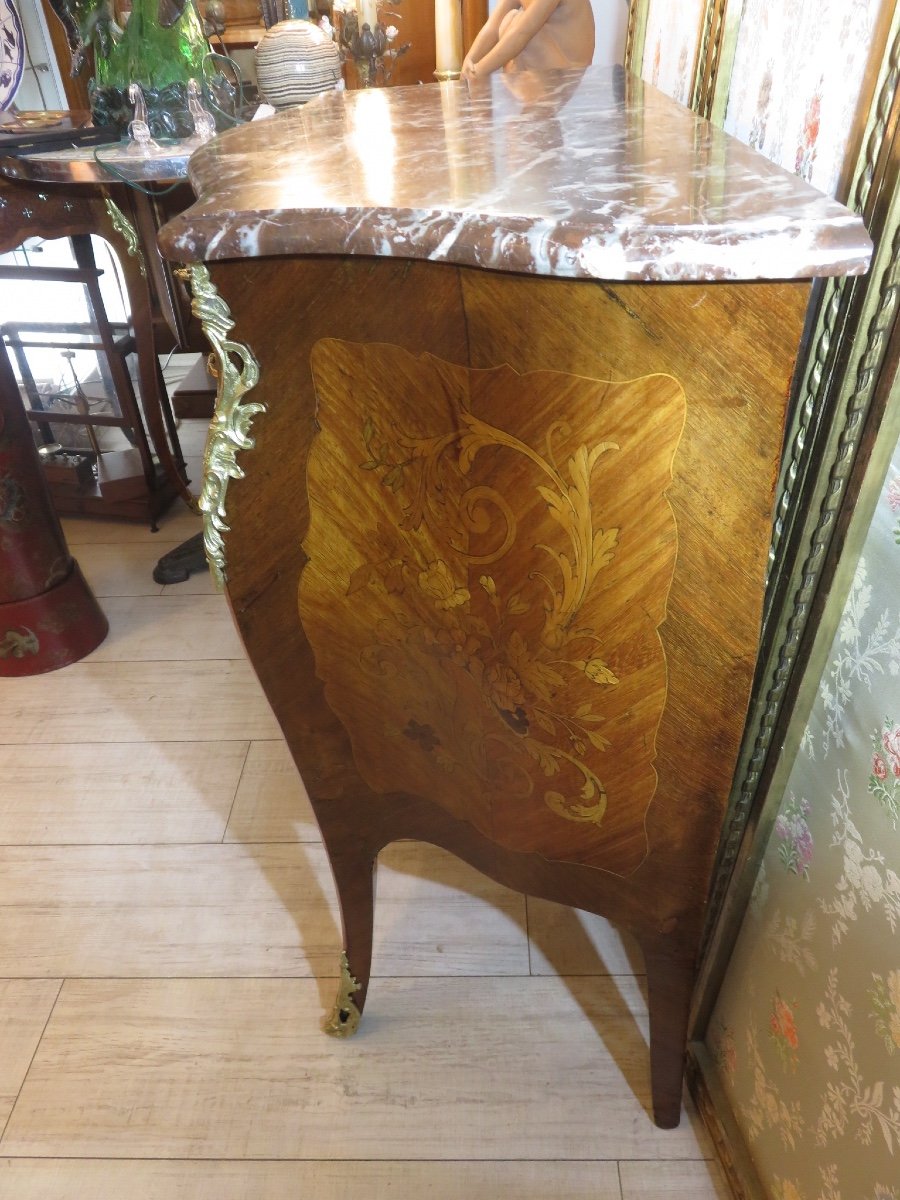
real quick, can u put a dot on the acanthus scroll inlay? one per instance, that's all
(490, 556)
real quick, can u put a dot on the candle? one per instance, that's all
(368, 13)
(447, 37)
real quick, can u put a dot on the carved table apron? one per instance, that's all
(497, 556)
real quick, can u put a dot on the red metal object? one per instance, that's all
(49, 616)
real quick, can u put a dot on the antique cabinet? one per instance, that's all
(503, 375)
(61, 192)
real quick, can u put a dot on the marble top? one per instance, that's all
(590, 174)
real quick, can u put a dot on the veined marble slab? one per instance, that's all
(590, 174)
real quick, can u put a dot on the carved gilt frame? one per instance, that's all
(635, 34)
(709, 53)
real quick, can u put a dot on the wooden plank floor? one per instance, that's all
(169, 945)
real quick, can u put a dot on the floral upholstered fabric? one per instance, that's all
(784, 98)
(806, 1033)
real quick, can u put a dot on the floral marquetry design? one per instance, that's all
(488, 630)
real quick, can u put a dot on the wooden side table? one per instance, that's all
(64, 192)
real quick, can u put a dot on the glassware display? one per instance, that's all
(161, 47)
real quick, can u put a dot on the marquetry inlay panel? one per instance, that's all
(490, 555)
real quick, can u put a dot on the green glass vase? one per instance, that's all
(161, 58)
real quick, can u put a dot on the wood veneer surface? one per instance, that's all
(735, 376)
(728, 348)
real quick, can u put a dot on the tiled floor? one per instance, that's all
(169, 942)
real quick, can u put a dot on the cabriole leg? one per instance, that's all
(670, 982)
(354, 875)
